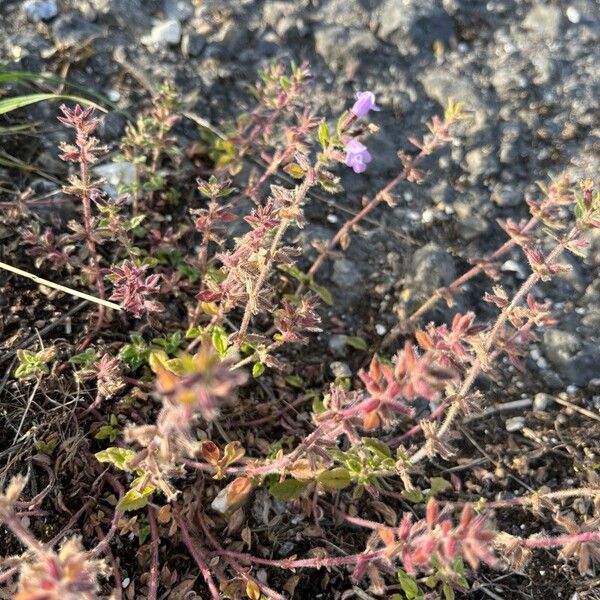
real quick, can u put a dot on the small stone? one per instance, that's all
(286, 549)
(542, 402)
(340, 369)
(514, 424)
(544, 21)
(165, 33)
(507, 197)
(472, 226)
(481, 162)
(72, 29)
(193, 44)
(433, 268)
(111, 126)
(113, 95)
(427, 216)
(380, 329)
(234, 37)
(337, 344)
(115, 175)
(514, 267)
(338, 45)
(345, 273)
(573, 15)
(180, 10)
(418, 24)
(40, 10)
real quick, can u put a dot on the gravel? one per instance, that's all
(40, 10)
(514, 424)
(163, 34)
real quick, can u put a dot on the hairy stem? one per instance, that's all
(254, 294)
(197, 554)
(491, 337)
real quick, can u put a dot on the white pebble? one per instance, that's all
(332, 218)
(113, 95)
(165, 33)
(380, 329)
(125, 582)
(427, 216)
(573, 15)
(514, 424)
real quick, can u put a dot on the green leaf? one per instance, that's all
(322, 292)
(335, 479)
(136, 221)
(106, 432)
(415, 495)
(258, 369)
(409, 585)
(448, 592)
(295, 381)
(9, 104)
(288, 489)
(323, 134)
(119, 457)
(45, 447)
(134, 500)
(295, 170)
(579, 209)
(86, 358)
(233, 452)
(136, 354)
(318, 406)
(219, 340)
(193, 332)
(438, 485)
(357, 342)
(341, 121)
(331, 185)
(378, 447)
(143, 533)
(295, 272)
(158, 359)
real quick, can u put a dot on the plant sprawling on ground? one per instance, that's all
(187, 440)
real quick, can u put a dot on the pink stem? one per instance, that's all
(562, 540)
(197, 554)
(153, 581)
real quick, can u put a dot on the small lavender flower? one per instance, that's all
(365, 101)
(357, 156)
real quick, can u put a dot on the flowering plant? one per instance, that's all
(217, 409)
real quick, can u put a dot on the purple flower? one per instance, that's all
(365, 101)
(357, 156)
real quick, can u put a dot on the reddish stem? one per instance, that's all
(197, 554)
(154, 566)
(562, 540)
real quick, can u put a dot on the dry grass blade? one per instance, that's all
(59, 287)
